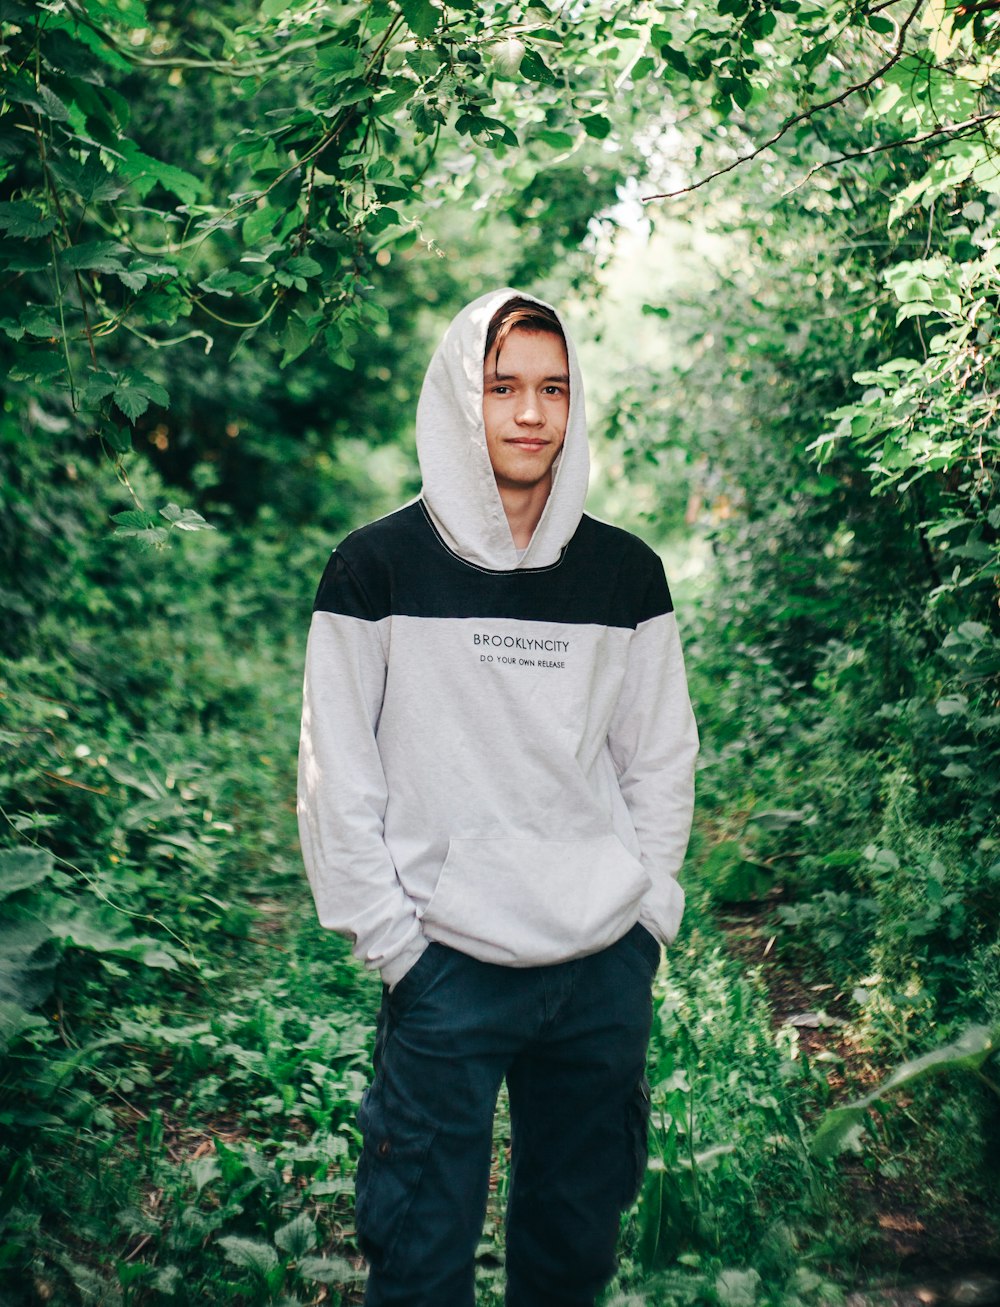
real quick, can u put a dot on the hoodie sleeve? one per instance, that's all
(342, 789)
(654, 741)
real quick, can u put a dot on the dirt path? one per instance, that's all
(919, 1253)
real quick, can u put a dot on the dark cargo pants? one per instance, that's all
(571, 1041)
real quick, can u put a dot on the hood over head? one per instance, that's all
(459, 488)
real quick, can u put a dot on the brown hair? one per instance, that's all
(523, 315)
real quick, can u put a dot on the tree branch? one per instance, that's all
(948, 129)
(979, 8)
(804, 116)
(227, 69)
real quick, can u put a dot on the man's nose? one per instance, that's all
(529, 414)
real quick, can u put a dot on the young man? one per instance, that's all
(496, 784)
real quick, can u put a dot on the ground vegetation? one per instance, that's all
(228, 237)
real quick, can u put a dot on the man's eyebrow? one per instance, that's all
(513, 376)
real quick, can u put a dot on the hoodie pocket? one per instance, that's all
(531, 902)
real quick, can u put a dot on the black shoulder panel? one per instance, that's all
(400, 566)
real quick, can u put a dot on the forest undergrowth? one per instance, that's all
(186, 1048)
(229, 235)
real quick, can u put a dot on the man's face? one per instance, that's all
(525, 407)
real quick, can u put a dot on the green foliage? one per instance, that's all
(727, 1144)
(146, 846)
(176, 181)
(823, 389)
(226, 235)
(294, 1076)
(43, 924)
(731, 1204)
(840, 1126)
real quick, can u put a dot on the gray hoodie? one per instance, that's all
(497, 751)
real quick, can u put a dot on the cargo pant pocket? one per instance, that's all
(389, 1171)
(636, 1141)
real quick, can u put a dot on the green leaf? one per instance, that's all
(915, 309)
(485, 131)
(159, 958)
(94, 256)
(23, 867)
(251, 1254)
(421, 16)
(596, 126)
(27, 962)
(380, 221)
(966, 1053)
(814, 56)
(381, 169)
(87, 932)
(145, 172)
(344, 60)
(776, 819)
(395, 94)
(39, 321)
(507, 56)
(742, 92)
(13, 1184)
(185, 519)
(134, 393)
(134, 518)
(950, 705)
(150, 538)
(534, 68)
(734, 878)
(675, 59)
(91, 181)
(18, 257)
(259, 224)
(296, 339)
(203, 1170)
(883, 102)
(303, 265)
(297, 1237)
(228, 281)
(329, 1270)
(97, 387)
(44, 101)
(19, 941)
(424, 63)
(132, 279)
(105, 256)
(555, 140)
(19, 218)
(734, 1288)
(401, 238)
